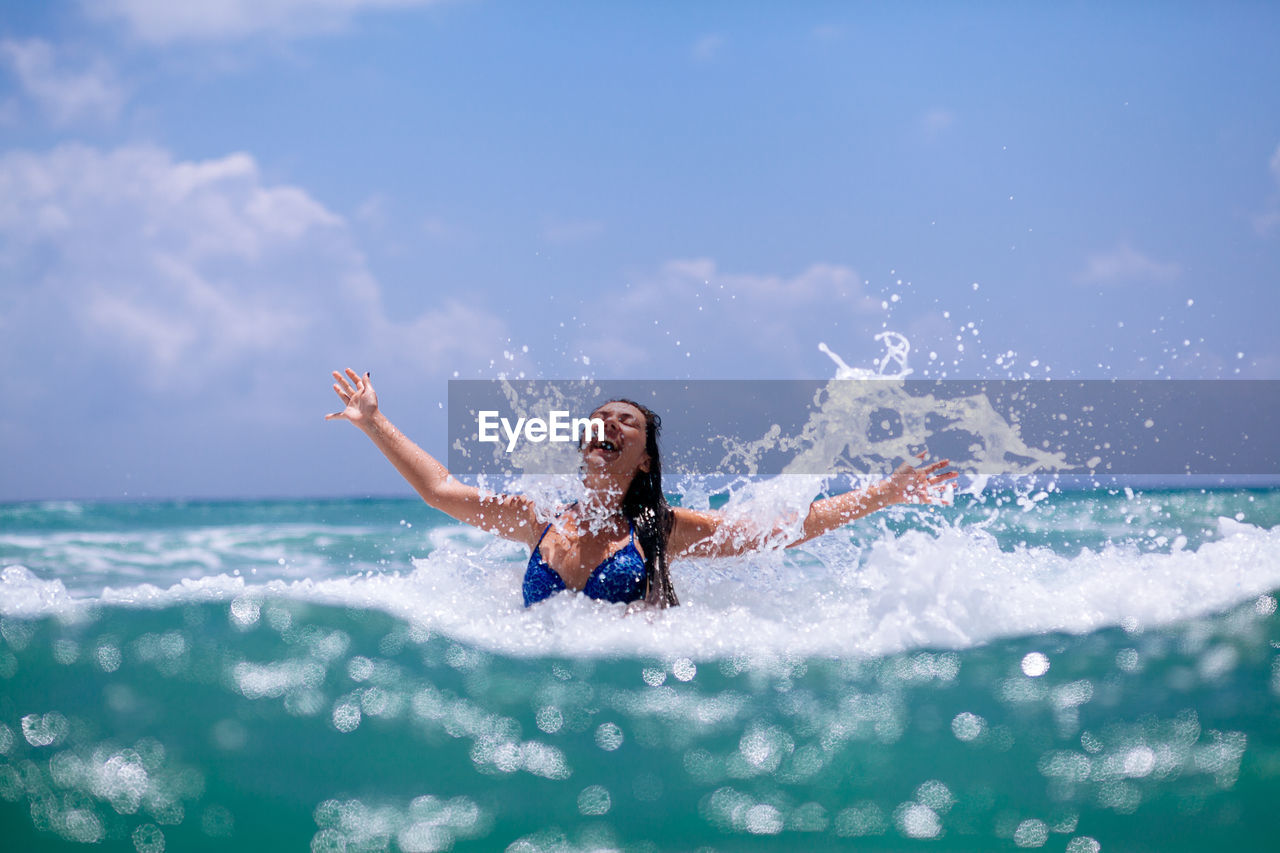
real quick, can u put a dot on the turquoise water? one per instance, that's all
(1082, 671)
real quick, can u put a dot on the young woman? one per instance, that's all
(616, 543)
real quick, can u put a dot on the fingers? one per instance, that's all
(352, 383)
(353, 390)
(355, 380)
(344, 394)
(345, 391)
(938, 479)
(361, 382)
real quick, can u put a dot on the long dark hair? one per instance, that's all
(646, 507)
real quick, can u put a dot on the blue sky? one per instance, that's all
(204, 207)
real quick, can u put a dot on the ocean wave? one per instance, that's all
(950, 587)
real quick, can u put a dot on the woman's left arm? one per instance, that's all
(704, 533)
(907, 485)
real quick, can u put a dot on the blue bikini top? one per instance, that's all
(619, 579)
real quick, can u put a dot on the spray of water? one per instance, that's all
(904, 578)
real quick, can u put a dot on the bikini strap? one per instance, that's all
(551, 522)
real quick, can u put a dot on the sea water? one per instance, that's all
(1058, 670)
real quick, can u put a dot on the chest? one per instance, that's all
(577, 558)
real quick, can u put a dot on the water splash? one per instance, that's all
(897, 350)
(883, 585)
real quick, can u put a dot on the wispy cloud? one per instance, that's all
(1125, 264)
(65, 94)
(178, 274)
(446, 231)
(690, 312)
(564, 231)
(708, 47)
(207, 20)
(936, 121)
(373, 210)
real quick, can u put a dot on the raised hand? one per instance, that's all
(357, 394)
(918, 484)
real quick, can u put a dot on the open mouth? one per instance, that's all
(605, 445)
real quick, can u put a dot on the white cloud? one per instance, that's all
(435, 338)
(1125, 264)
(728, 323)
(65, 95)
(179, 20)
(179, 275)
(820, 282)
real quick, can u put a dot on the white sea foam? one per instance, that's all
(951, 588)
(849, 593)
(88, 559)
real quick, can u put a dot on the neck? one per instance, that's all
(604, 489)
(601, 505)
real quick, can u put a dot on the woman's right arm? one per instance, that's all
(705, 533)
(509, 516)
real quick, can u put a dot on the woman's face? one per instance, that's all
(622, 450)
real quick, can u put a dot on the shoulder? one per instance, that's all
(516, 517)
(689, 527)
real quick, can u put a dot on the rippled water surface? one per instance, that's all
(1077, 671)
